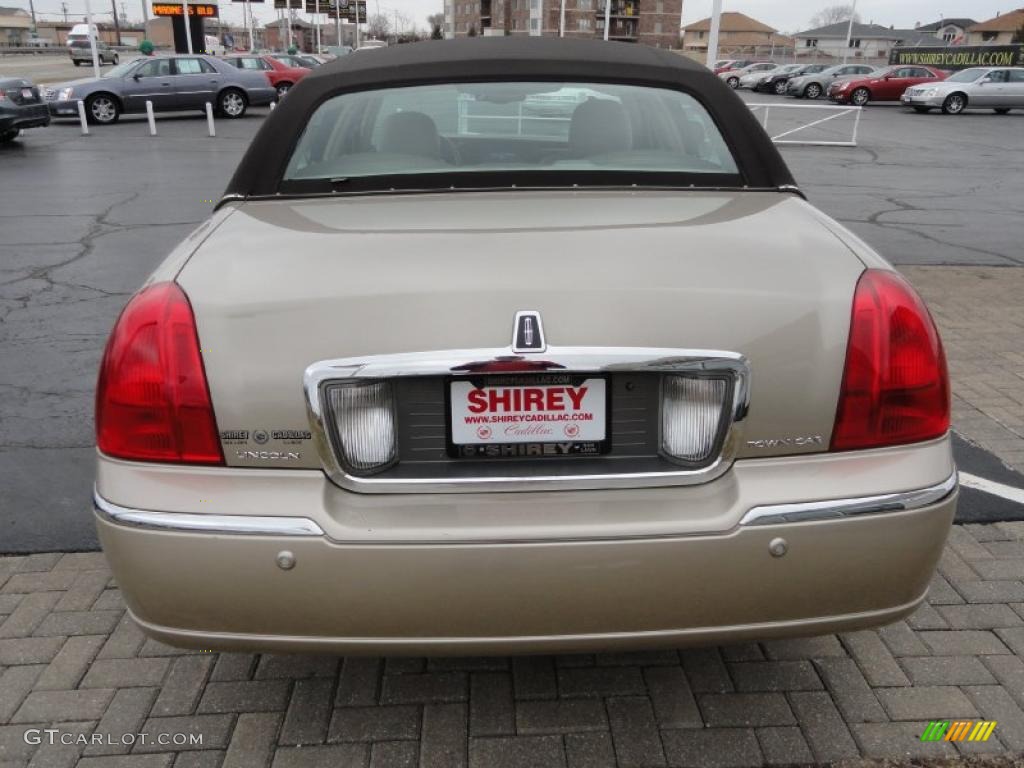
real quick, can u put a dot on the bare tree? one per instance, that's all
(834, 14)
(379, 26)
(436, 23)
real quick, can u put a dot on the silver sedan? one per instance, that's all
(997, 88)
(170, 83)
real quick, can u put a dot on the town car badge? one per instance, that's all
(528, 333)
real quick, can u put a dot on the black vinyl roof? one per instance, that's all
(475, 59)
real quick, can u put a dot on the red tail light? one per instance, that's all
(152, 402)
(895, 387)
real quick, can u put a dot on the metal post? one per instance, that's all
(209, 118)
(151, 118)
(561, 20)
(288, 15)
(316, 17)
(856, 124)
(849, 31)
(82, 118)
(607, 17)
(188, 26)
(337, 23)
(117, 24)
(92, 40)
(716, 23)
(252, 27)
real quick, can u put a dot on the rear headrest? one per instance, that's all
(410, 133)
(599, 126)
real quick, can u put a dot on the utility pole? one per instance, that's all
(32, 10)
(849, 31)
(117, 24)
(561, 20)
(716, 24)
(64, 10)
(145, 20)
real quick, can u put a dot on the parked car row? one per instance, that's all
(923, 88)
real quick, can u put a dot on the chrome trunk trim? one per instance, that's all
(212, 523)
(468, 362)
(775, 514)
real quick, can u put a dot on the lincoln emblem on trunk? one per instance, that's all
(528, 332)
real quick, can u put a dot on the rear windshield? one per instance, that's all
(493, 128)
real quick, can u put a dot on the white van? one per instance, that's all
(81, 32)
(213, 46)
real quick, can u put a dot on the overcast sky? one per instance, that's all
(785, 15)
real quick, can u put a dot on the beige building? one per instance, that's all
(652, 22)
(998, 31)
(15, 27)
(738, 34)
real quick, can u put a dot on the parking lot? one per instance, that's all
(84, 219)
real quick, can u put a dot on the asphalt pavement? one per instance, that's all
(83, 221)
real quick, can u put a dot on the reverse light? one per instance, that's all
(895, 386)
(364, 425)
(152, 400)
(691, 413)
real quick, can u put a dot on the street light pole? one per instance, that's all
(561, 20)
(607, 17)
(145, 20)
(117, 24)
(92, 40)
(188, 26)
(849, 31)
(716, 24)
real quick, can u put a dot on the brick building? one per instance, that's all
(652, 22)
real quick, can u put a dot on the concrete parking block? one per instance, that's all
(712, 748)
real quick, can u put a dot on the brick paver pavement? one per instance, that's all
(980, 311)
(70, 659)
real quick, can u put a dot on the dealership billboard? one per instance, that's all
(960, 56)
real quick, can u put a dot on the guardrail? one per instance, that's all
(840, 110)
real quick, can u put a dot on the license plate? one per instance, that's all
(544, 418)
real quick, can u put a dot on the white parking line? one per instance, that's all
(991, 486)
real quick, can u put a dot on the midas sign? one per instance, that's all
(194, 9)
(960, 57)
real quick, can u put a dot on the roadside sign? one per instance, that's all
(960, 56)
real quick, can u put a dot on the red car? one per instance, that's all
(884, 85)
(281, 76)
